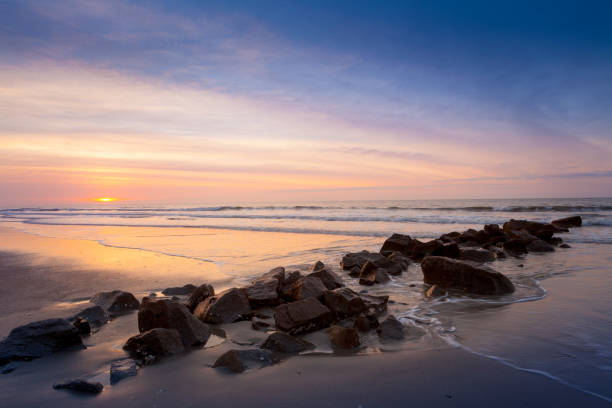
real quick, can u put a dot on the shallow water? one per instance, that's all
(557, 322)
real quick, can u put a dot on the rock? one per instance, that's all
(540, 246)
(357, 259)
(258, 324)
(568, 222)
(477, 255)
(522, 235)
(515, 247)
(241, 360)
(367, 275)
(376, 303)
(95, 316)
(391, 266)
(450, 250)
(82, 326)
(302, 316)
(423, 249)
(366, 322)
(305, 287)
(154, 344)
(121, 369)
(398, 259)
(180, 291)
(343, 337)
(554, 241)
(115, 302)
(317, 266)
(564, 246)
(81, 386)
(168, 314)
(344, 302)
(464, 275)
(227, 307)
(403, 244)
(263, 292)
(537, 229)
(494, 230)
(291, 277)
(38, 339)
(284, 343)
(355, 272)
(390, 329)
(329, 279)
(435, 291)
(199, 295)
(381, 275)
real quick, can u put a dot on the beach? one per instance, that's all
(549, 339)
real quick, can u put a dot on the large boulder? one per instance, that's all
(38, 339)
(344, 302)
(343, 337)
(284, 343)
(168, 314)
(302, 316)
(96, 316)
(466, 276)
(241, 360)
(357, 259)
(400, 243)
(371, 274)
(395, 263)
(477, 255)
(227, 307)
(538, 229)
(568, 222)
(423, 249)
(305, 287)
(154, 344)
(115, 302)
(390, 329)
(199, 295)
(263, 292)
(187, 289)
(375, 303)
(329, 279)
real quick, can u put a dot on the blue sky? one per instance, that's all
(460, 91)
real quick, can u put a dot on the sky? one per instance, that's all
(241, 101)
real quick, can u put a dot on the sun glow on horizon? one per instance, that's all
(105, 199)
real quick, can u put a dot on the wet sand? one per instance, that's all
(37, 285)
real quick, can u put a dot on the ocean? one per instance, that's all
(556, 324)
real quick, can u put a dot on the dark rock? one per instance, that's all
(154, 344)
(82, 326)
(277, 273)
(375, 303)
(522, 235)
(366, 322)
(450, 250)
(435, 291)
(344, 302)
(317, 266)
(284, 343)
(95, 316)
(168, 314)
(367, 275)
(180, 291)
(302, 316)
(555, 241)
(291, 278)
(263, 292)
(423, 249)
(494, 230)
(398, 259)
(515, 247)
(329, 279)
(227, 307)
(241, 360)
(464, 275)
(81, 386)
(258, 324)
(390, 329)
(121, 369)
(357, 259)
(199, 295)
(568, 222)
(115, 302)
(305, 287)
(537, 229)
(355, 272)
(343, 337)
(540, 246)
(564, 246)
(497, 239)
(477, 255)
(401, 243)
(38, 339)
(390, 265)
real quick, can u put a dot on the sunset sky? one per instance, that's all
(211, 101)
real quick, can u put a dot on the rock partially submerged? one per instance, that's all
(241, 360)
(199, 295)
(38, 339)
(343, 337)
(390, 329)
(80, 386)
(115, 302)
(366, 322)
(284, 343)
(188, 289)
(227, 307)
(568, 222)
(476, 255)
(154, 344)
(358, 259)
(121, 369)
(344, 302)
(305, 287)
(96, 316)
(302, 316)
(329, 279)
(169, 314)
(451, 273)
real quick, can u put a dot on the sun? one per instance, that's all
(105, 199)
